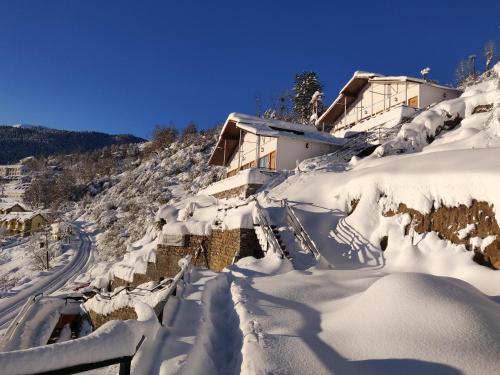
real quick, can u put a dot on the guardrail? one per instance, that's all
(28, 305)
(300, 232)
(271, 240)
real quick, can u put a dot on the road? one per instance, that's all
(9, 307)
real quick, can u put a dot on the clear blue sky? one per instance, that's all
(124, 66)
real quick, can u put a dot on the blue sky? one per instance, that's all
(125, 66)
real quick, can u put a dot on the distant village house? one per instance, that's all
(16, 220)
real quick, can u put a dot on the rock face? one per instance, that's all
(222, 247)
(451, 222)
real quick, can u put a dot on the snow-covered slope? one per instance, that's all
(421, 305)
(125, 205)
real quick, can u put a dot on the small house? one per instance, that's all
(22, 223)
(8, 207)
(259, 146)
(370, 100)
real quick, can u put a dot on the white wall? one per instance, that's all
(431, 94)
(290, 150)
(396, 93)
(249, 152)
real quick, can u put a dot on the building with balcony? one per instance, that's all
(264, 146)
(370, 100)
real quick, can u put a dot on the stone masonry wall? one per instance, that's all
(447, 221)
(241, 191)
(222, 247)
(124, 313)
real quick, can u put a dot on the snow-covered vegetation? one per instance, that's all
(124, 206)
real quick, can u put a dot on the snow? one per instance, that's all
(482, 243)
(464, 232)
(114, 339)
(148, 293)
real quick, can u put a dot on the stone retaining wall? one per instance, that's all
(222, 247)
(124, 313)
(243, 191)
(447, 221)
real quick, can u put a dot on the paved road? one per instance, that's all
(9, 307)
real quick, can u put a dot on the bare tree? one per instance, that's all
(464, 72)
(37, 254)
(489, 53)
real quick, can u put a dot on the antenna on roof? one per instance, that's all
(425, 73)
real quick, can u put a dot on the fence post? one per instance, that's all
(125, 366)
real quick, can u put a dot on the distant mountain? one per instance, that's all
(20, 141)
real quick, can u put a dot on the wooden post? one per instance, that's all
(373, 88)
(239, 152)
(406, 92)
(125, 366)
(224, 162)
(257, 150)
(345, 111)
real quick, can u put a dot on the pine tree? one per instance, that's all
(306, 85)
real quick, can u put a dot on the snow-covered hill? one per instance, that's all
(124, 206)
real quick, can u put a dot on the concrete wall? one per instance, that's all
(290, 150)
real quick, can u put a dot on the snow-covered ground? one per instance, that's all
(421, 306)
(63, 270)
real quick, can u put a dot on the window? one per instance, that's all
(413, 102)
(264, 162)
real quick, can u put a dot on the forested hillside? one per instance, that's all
(20, 142)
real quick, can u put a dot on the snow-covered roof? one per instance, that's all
(410, 79)
(265, 127)
(8, 205)
(19, 216)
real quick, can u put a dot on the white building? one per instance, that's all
(264, 145)
(14, 170)
(370, 100)
(253, 142)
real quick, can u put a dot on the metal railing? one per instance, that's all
(300, 232)
(271, 240)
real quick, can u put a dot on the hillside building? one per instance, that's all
(263, 146)
(14, 170)
(370, 100)
(22, 223)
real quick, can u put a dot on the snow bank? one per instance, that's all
(148, 293)
(435, 319)
(416, 134)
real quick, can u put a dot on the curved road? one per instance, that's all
(9, 307)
